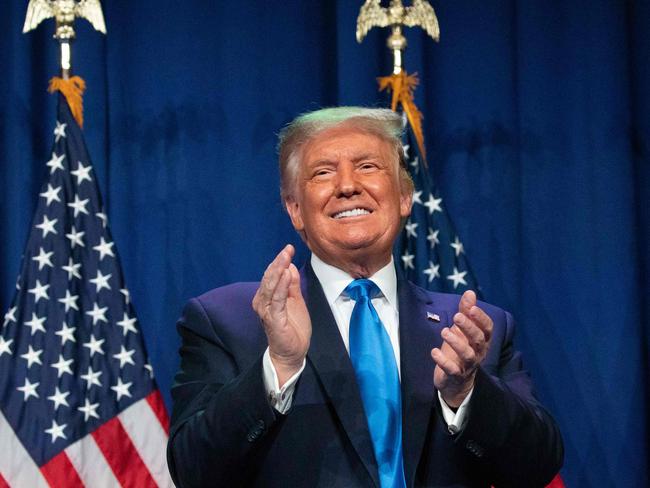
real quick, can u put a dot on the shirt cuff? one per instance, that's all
(455, 420)
(279, 398)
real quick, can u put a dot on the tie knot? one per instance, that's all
(362, 288)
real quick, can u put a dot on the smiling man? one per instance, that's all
(336, 375)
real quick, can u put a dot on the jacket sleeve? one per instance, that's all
(510, 435)
(221, 416)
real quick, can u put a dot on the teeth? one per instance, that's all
(351, 213)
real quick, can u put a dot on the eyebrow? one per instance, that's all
(355, 159)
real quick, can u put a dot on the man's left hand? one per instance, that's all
(465, 345)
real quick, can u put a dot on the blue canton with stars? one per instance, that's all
(71, 354)
(429, 250)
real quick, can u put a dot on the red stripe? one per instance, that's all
(556, 482)
(122, 456)
(3, 483)
(59, 471)
(155, 401)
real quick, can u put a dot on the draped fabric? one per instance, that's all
(537, 129)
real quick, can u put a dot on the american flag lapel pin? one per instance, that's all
(434, 317)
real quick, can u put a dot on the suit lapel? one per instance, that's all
(330, 360)
(417, 336)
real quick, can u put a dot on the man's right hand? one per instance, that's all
(284, 315)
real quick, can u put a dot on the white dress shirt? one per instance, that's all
(334, 282)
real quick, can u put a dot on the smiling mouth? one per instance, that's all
(354, 212)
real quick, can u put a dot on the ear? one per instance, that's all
(295, 214)
(405, 203)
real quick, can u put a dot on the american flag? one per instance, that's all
(429, 249)
(79, 405)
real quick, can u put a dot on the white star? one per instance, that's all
(52, 194)
(102, 216)
(127, 295)
(10, 316)
(29, 389)
(59, 131)
(92, 378)
(125, 356)
(406, 148)
(98, 313)
(47, 226)
(39, 291)
(416, 197)
(432, 271)
(104, 249)
(101, 281)
(43, 259)
(457, 277)
(433, 237)
(72, 268)
(415, 164)
(59, 398)
(128, 324)
(56, 431)
(410, 229)
(70, 301)
(408, 260)
(458, 246)
(79, 205)
(66, 333)
(62, 366)
(75, 238)
(94, 346)
(32, 356)
(122, 389)
(433, 204)
(36, 323)
(5, 346)
(55, 163)
(89, 410)
(82, 173)
(149, 368)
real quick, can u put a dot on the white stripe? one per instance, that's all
(90, 463)
(149, 439)
(16, 465)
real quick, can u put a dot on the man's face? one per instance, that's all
(348, 200)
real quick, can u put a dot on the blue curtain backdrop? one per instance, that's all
(537, 122)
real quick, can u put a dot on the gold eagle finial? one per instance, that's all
(420, 14)
(64, 12)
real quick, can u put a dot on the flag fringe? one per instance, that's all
(72, 89)
(402, 85)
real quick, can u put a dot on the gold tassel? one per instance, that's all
(402, 86)
(72, 89)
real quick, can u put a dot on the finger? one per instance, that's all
(274, 271)
(446, 363)
(461, 347)
(467, 301)
(294, 287)
(472, 332)
(279, 298)
(482, 320)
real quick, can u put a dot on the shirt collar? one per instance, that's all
(335, 280)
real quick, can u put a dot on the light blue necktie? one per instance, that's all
(374, 364)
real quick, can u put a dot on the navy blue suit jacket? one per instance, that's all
(225, 433)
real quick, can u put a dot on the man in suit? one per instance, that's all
(344, 373)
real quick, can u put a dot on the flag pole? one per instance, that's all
(65, 12)
(400, 83)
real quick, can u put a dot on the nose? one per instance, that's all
(347, 183)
